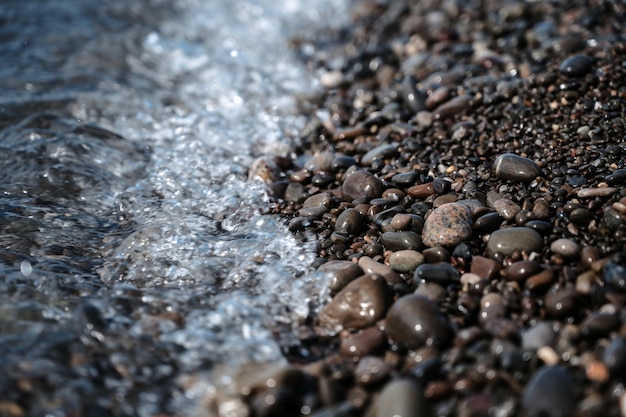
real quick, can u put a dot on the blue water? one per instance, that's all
(137, 273)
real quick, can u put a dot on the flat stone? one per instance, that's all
(401, 398)
(596, 192)
(447, 225)
(509, 166)
(576, 65)
(507, 241)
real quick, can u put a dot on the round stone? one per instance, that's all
(350, 221)
(441, 273)
(405, 260)
(509, 166)
(361, 185)
(447, 225)
(414, 321)
(565, 247)
(507, 241)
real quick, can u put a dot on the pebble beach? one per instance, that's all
(462, 176)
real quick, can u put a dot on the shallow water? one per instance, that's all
(135, 260)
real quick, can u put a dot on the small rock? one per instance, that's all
(414, 321)
(405, 260)
(576, 65)
(565, 247)
(447, 225)
(396, 241)
(360, 304)
(507, 241)
(509, 166)
(341, 272)
(442, 273)
(366, 342)
(350, 221)
(506, 208)
(361, 185)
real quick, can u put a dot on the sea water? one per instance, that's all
(135, 261)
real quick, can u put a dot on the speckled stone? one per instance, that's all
(507, 241)
(509, 166)
(506, 208)
(361, 185)
(447, 225)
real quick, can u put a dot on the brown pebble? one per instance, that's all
(506, 208)
(401, 221)
(484, 267)
(521, 270)
(341, 272)
(541, 280)
(415, 321)
(588, 255)
(368, 341)
(372, 370)
(360, 304)
(421, 191)
(361, 185)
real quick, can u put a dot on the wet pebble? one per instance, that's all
(415, 321)
(370, 266)
(421, 191)
(509, 166)
(447, 225)
(485, 268)
(360, 304)
(341, 272)
(488, 223)
(441, 273)
(521, 270)
(562, 303)
(576, 65)
(453, 107)
(492, 306)
(406, 260)
(350, 221)
(401, 221)
(396, 241)
(369, 341)
(506, 208)
(549, 393)
(382, 151)
(565, 247)
(372, 370)
(507, 241)
(436, 254)
(361, 185)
